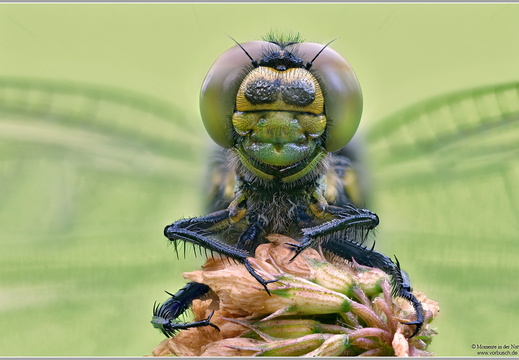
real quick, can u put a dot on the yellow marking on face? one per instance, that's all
(278, 83)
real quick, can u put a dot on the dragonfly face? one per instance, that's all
(290, 106)
(281, 108)
(279, 116)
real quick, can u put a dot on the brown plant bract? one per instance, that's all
(368, 327)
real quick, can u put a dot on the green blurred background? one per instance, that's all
(101, 145)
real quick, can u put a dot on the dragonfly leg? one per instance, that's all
(197, 231)
(348, 246)
(348, 217)
(400, 281)
(165, 316)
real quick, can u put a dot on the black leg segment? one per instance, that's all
(197, 231)
(165, 316)
(400, 281)
(346, 218)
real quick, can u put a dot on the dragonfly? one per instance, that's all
(462, 136)
(264, 102)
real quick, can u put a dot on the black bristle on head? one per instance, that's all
(309, 64)
(283, 38)
(253, 61)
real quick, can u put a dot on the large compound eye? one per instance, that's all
(218, 94)
(341, 91)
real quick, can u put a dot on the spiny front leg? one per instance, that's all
(165, 316)
(198, 230)
(347, 217)
(333, 238)
(402, 287)
(400, 281)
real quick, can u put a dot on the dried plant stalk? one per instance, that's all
(316, 308)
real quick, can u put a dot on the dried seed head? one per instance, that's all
(316, 308)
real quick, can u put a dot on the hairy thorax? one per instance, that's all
(280, 208)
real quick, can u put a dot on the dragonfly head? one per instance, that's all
(278, 101)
